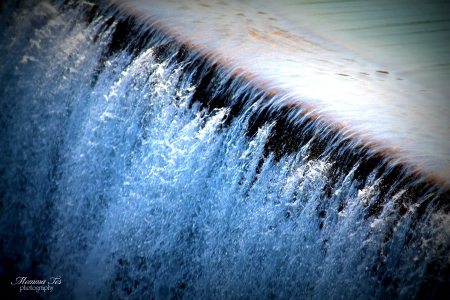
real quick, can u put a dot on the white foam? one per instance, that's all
(308, 50)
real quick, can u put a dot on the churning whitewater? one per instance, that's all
(132, 168)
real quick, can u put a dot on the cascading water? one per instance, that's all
(131, 168)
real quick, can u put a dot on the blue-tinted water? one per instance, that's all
(133, 169)
(377, 69)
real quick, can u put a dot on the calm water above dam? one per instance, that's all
(379, 69)
(140, 162)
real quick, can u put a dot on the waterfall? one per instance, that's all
(133, 167)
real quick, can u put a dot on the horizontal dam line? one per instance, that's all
(293, 111)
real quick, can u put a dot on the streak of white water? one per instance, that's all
(338, 59)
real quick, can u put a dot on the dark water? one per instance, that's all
(133, 169)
